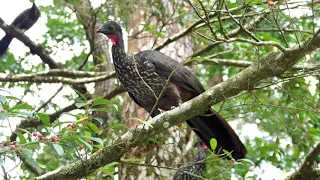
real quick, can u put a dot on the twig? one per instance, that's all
(5, 175)
(250, 25)
(242, 63)
(49, 100)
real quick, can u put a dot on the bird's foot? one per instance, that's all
(173, 107)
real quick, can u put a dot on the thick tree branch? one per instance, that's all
(34, 49)
(272, 64)
(306, 171)
(71, 73)
(36, 78)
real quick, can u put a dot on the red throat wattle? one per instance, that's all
(114, 38)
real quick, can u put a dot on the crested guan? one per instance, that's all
(23, 21)
(195, 170)
(148, 70)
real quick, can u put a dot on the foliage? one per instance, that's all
(283, 109)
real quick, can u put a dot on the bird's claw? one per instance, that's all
(173, 107)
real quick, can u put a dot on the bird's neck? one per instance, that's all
(119, 54)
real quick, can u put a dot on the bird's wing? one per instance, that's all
(166, 66)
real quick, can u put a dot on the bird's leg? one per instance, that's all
(171, 98)
(155, 112)
(175, 95)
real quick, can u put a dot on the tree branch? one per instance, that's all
(43, 78)
(249, 26)
(306, 171)
(272, 64)
(242, 63)
(34, 49)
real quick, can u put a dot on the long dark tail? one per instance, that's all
(213, 125)
(4, 44)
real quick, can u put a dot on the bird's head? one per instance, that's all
(112, 30)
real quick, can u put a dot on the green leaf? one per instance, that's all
(87, 133)
(58, 149)
(100, 120)
(21, 138)
(81, 95)
(213, 143)
(100, 110)
(248, 161)
(24, 130)
(44, 118)
(80, 105)
(86, 144)
(227, 153)
(153, 140)
(12, 98)
(112, 164)
(21, 106)
(93, 127)
(98, 140)
(101, 101)
(105, 102)
(56, 2)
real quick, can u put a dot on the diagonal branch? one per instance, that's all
(306, 171)
(272, 64)
(34, 49)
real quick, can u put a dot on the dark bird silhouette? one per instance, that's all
(144, 76)
(23, 21)
(195, 169)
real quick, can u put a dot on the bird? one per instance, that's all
(195, 169)
(144, 76)
(24, 21)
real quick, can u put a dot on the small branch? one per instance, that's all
(284, 30)
(241, 26)
(249, 26)
(5, 174)
(241, 63)
(195, 25)
(70, 73)
(49, 100)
